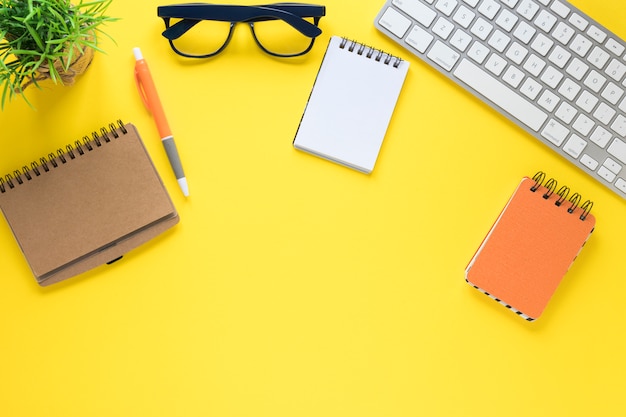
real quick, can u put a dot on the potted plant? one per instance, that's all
(47, 39)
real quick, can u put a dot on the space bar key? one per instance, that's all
(524, 111)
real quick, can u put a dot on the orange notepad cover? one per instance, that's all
(529, 248)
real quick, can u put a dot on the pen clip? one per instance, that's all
(142, 93)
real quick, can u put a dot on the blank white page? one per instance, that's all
(351, 104)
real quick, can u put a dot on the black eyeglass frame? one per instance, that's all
(193, 13)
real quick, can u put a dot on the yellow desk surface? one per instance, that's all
(295, 287)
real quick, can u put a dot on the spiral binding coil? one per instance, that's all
(377, 54)
(62, 156)
(563, 194)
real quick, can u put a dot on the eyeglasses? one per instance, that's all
(202, 30)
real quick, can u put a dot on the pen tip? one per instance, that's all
(182, 182)
(137, 53)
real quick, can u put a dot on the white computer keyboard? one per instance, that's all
(544, 64)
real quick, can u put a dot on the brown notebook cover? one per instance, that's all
(87, 204)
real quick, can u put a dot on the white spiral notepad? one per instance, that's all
(351, 104)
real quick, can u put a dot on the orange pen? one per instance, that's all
(150, 97)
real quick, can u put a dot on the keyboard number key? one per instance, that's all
(528, 9)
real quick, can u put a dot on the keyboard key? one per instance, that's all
(578, 21)
(563, 33)
(513, 76)
(499, 41)
(528, 9)
(587, 101)
(604, 113)
(395, 22)
(595, 81)
(446, 6)
(531, 88)
(478, 52)
(417, 10)
(612, 166)
(620, 184)
(616, 70)
(569, 89)
(613, 46)
(495, 64)
(566, 112)
(419, 39)
(545, 21)
(598, 57)
(596, 34)
(534, 65)
(577, 69)
(548, 100)
(482, 28)
(524, 32)
(618, 150)
(443, 55)
(542, 44)
(555, 132)
(606, 174)
(460, 40)
(619, 126)
(583, 125)
(560, 57)
(601, 137)
(581, 45)
(489, 8)
(560, 8)
(443, 28)
(612, 93)
(501, 95)
(552, 77)
(464, 16)
(507, 20)
(589, 162)
(517, 53)
(574, 146)
(510, 3)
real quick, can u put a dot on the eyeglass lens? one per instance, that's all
(208, 37)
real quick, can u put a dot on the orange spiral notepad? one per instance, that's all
(531, 246)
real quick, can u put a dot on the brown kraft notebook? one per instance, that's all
(87, 204)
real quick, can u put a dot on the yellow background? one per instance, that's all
(293, 286)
